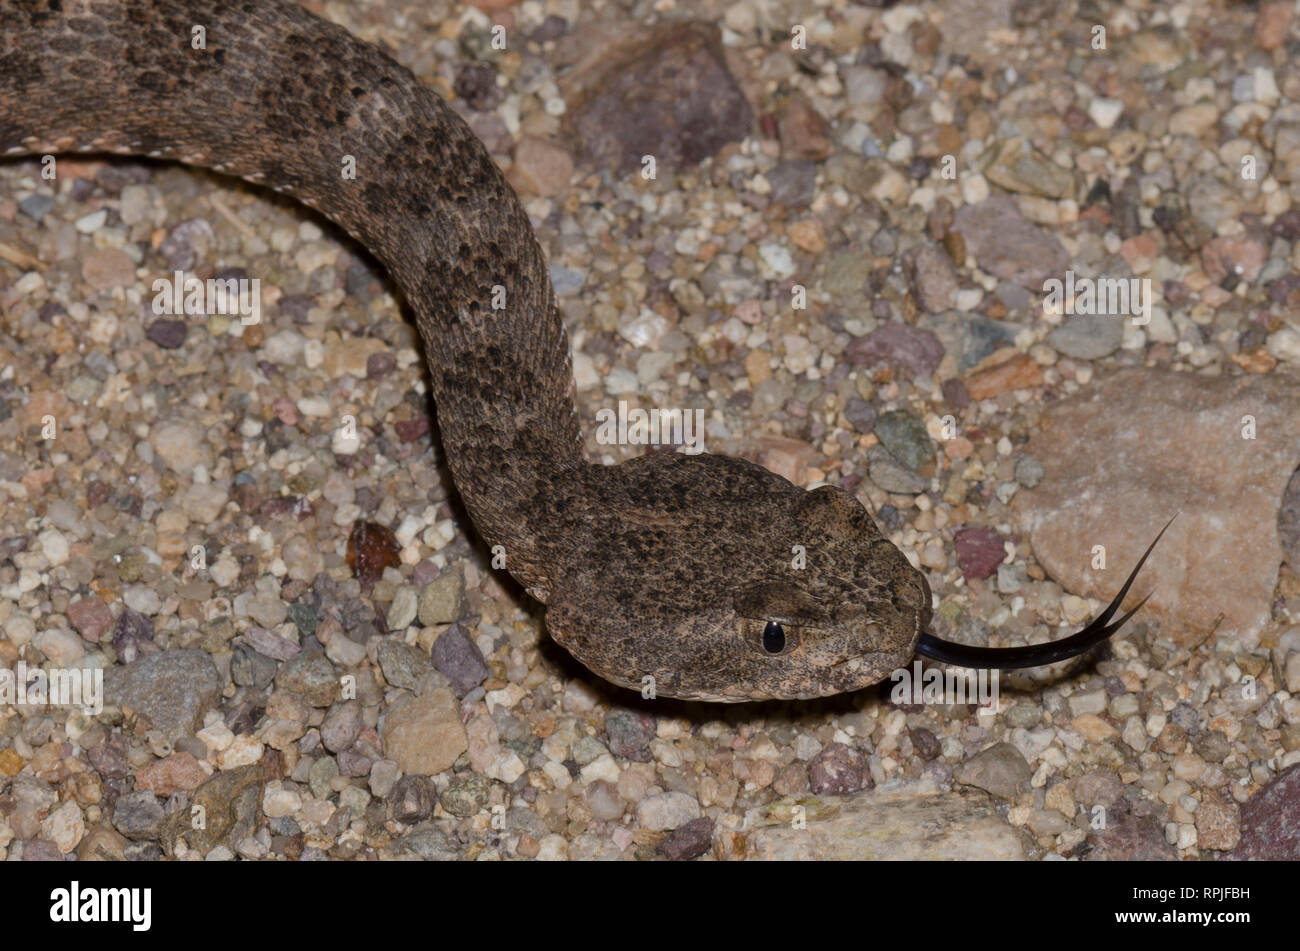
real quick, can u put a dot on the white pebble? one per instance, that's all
(64, 827)
(54, 546)
(407, 531)
(584, 371)
(507, 767)
(667, 811)
(1265, 86)
(244, 751)
(1104, 111)
(776, 261)
(216, 736)
(553, 848)
(61, 648)
(142, 599)
(89, 224)
(344, 442)
(1285, 345)
(278, 801)
(314, 406)
(602, 767)
(19, 629)
(974, 188)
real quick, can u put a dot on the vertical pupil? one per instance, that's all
(773, 638)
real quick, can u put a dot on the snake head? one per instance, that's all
(712, 578)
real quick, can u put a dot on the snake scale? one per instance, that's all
(668, 566)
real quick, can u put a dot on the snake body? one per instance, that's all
(704, 576)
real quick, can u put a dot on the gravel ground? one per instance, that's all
(198, 527)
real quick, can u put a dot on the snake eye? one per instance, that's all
(773, 638)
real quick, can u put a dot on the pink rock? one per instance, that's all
(90, 617)
(979, 551)
(1270, 820)
(1124, 455)
(933, 277)
(786, 457)
(916, 352)
(541, 167)
(1271, 25)
(1008, 246)
(839, 770)
(1139, 249)
(663, 90)
(1238, 254)
(166, 776)
(106, 268)
(286, 411)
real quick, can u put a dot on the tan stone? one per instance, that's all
(807, 235)
(541, 167)
(784, 456)
(911, 824)
(424, 735)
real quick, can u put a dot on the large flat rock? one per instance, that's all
(1126, 453)
(910, 822)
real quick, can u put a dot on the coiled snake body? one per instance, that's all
(670, 566)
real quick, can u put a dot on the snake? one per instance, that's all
(700, 576)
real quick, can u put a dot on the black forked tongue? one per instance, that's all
(1038, 655)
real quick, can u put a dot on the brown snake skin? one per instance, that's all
(669, 566)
